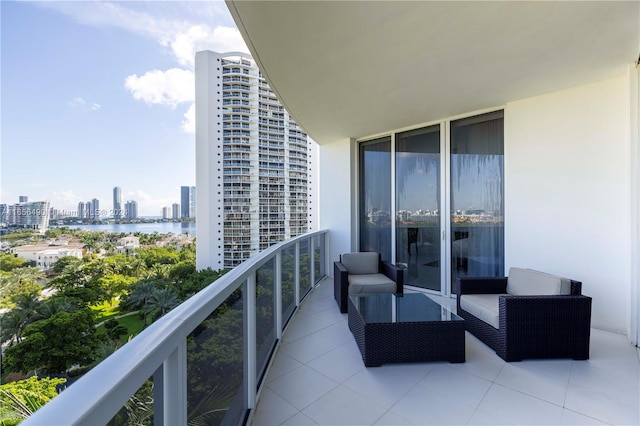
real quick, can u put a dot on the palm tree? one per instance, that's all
(142, 293)
(56, 305)
(22, 281)
(158, 271)
(12, 325)
(27, 274)
(14, 322)
(162, 300)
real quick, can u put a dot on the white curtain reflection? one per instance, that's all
(477, 204)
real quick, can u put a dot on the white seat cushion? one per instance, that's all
(370, 284)
(528, 282)
(361, 263)
(485, 307)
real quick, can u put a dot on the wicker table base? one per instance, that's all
(407, 341)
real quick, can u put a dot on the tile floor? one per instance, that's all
(318, 377)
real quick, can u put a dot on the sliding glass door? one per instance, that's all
(418, 206)
(375, 197)
(477, 204)
(405, 184)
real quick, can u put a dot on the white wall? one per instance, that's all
(567, 192)
(337, 197)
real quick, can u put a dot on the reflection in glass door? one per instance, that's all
(477, 205)
(470, 183)
(418, 206)
(375, 197)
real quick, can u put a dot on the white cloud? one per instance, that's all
(169, 87)
(189, 122)
(183, 28)
(65, 200)
(83, 105)
(185, 44)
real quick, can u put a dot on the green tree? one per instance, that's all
(53, 233)
(114, 284)
(114, 329)
(14, 323)
(196, 282)
(56, 304)
(18, 400)
(158, 271)
(80, 281)
(63, 262)
(55, 344)
(19, 281)
(153, 255)
(9, 262)
(180, 273)
(92, 240)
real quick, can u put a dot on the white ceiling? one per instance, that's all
(357, 68)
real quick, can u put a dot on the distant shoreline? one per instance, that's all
(147, 227)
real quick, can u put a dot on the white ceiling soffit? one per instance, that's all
(357, 68)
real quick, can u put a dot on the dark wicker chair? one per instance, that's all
(531, 326)
(341, 280)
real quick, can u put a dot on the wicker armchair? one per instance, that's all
(364, 273)
(528, 326)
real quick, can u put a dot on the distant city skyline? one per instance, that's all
(101, 94)
(114, 207)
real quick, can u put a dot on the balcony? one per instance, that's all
(318, 377)
(304, 367)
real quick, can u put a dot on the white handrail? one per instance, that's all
(97, 396)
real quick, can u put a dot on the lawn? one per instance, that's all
(133, 322)
(104, 311)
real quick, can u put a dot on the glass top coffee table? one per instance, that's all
(405, 328)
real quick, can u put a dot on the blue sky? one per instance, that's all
(100, 94)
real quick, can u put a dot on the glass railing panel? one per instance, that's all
(215, 385)
(138, 410)
(317, 273)
(265, 318)
(288, 271)
(305, 267)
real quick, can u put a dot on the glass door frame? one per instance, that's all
(445, 195)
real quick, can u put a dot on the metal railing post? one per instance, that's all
(278, 294)
(297, 274)
(158, 396)
(312, 258)
(174, 372)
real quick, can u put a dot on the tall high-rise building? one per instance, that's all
(175, 211)
(4, 214)
(166, 212)
(95, 209)
(187, 201)
(33, 215)
(117, 203)
(253, 163)
(23, 199)
(81, 212)
(131, 209)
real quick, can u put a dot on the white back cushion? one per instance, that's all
(361, 263)
(528, 282)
